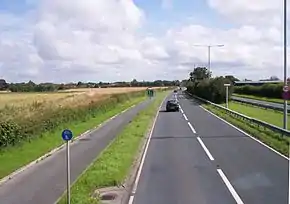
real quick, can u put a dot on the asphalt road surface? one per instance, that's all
(196, 158)
(278, 106)
(45, 182)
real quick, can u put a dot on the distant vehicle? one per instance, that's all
(175, 91)
(172, 105)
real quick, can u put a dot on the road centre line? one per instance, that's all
(185, 116)
(247, 134)
(205, 149)
(230, 187)
(192, 129)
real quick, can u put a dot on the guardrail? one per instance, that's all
(271, 127)
(261, 105)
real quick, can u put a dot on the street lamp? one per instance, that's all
(227, 94)
(209, 48)
(285, 63)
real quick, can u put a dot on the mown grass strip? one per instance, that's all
(269, 116)
(270, 138)
(274, 100)
(113, 164)
(14, 157)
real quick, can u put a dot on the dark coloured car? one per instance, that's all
(172, 105)
(175, 90)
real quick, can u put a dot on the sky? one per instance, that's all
(121, 40)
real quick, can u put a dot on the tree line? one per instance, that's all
(201, 83)
(30, 86)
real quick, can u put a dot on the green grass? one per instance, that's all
(14, 157)
(113, 164)
(274, 140)
(274, 100)
(267, 115)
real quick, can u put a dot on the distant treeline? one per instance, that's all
(50, 87)
(266, 90)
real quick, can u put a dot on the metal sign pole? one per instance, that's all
(67, 136)
(68, 171)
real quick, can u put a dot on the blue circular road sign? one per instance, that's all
(67, 135)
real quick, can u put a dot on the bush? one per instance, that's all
(18, 130)
(211, 89)
(266, 90)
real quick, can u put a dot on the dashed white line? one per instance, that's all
(192, 129)
(238, 129)
(205, 149)
(185, 116)
(230, 187)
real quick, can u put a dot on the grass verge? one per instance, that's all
(14, 157)
(274, 100)
(113, 164)
(267, 115)
(281, 144)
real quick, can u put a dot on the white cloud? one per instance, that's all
(103, 40)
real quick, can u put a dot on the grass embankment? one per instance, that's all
(273, 100)
(44, 128)
(269, 116)
(113, 164)
(271, 138)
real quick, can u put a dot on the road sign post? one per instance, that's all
(227, 94)
(67, 136)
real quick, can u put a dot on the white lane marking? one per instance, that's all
(246, 134)
(192, 129)
(230, 187)
(205, 149)
(131, 199)
(185, 116)
(181, 110)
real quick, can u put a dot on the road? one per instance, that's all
(196, 158)
(277, 106)
(45, 182)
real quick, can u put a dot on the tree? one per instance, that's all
(274, 78)
(3, 84)
(199, 74)
(232, 78)
(134, 83)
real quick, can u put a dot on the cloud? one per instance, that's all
(167, 4)
(90, 40)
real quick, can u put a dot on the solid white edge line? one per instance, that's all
(185, 116)
(144, 156)
(247, 134)
(205, 149)
(230, 187)
(192, 129)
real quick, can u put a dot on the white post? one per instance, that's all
(227, 95)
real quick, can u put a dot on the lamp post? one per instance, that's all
(208, 50)
(285, 64)
(227, 94)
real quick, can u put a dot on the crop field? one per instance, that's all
(26, 104)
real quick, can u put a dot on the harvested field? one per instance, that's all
(26, 104)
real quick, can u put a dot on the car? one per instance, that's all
(172, 105)
(175, 91)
